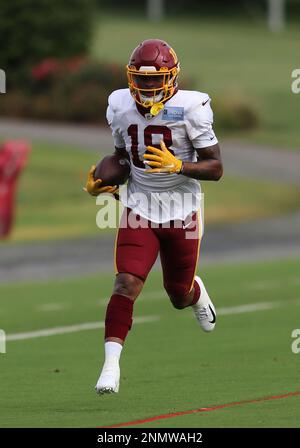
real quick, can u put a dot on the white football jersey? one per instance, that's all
(184, 124)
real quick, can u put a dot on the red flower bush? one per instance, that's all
(45, 69)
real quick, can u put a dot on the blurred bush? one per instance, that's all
(31, 30)
(235, 111)
(244, 10)
(76, 89)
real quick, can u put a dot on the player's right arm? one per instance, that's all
(93, 186)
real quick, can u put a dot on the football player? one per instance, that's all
(167, 135)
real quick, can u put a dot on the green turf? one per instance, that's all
(52, 205)
(167, 366)
(228, 56)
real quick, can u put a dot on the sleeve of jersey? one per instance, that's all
(199, 126)
(115, 130)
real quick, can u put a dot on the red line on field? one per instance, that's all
(195, 411)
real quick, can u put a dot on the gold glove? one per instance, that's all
(162, 159)
(93, 186)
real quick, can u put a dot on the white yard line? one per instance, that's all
(161, 294)
(248, 308)
(241, 309)
(253, 307)
(71, 329)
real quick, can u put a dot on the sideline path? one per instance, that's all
(239, 158)
(251, 241)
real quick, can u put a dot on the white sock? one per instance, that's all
(112, 349)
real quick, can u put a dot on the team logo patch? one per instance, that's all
(173, 113)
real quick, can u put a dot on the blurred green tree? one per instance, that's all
(32, 30)
(247, 9)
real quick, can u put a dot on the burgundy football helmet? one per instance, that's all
(152, 72)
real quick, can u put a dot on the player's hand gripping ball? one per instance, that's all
(94, 187)
(111, 171)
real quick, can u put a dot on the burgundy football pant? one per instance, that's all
(138, 244)
(137, 249)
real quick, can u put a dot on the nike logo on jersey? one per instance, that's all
(204, 102)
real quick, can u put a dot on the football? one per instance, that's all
(113, 170)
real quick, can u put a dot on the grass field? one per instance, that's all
(51, 203)
(222, 56)
(168, 364)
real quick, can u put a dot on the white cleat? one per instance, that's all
(109, 380)
(204, 309)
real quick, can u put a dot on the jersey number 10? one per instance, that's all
(148, 132)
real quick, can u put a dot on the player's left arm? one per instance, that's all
(208, 166)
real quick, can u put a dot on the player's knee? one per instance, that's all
(128, 285)
(178, 295)
(178, 303)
